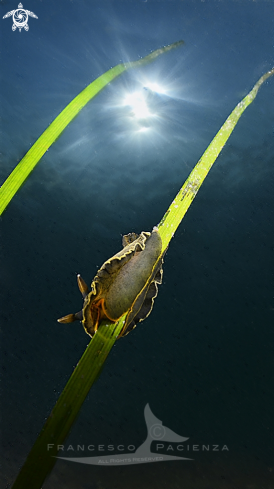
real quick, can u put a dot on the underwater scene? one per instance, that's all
(137, 298)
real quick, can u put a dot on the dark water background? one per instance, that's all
(204, 359)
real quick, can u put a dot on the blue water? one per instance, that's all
(203, 360)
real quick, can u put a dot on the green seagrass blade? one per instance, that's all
(40, 461)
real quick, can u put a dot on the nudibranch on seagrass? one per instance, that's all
(126, 283)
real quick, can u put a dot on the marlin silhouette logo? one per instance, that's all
(156, 431)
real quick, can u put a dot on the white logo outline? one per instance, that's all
(155, 431)
(20, 17)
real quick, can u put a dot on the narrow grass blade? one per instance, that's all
(188, 192)
(33, 156)
(40, 460)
